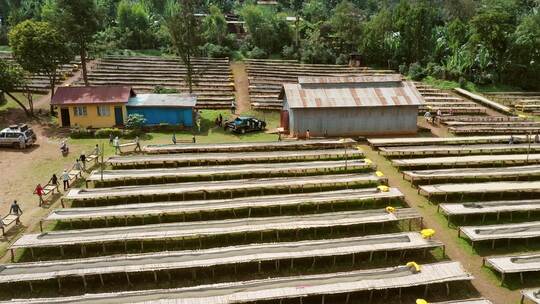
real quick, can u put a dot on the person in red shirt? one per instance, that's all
(40, 192)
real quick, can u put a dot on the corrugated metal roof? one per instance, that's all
(349, 79)
(163, 100)
(91, 95)
(351, 91)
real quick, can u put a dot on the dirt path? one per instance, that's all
(24, 169)
(241, 84)
(485, 283)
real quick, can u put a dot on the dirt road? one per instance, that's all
(241, 84)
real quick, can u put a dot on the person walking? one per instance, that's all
(220, 120)
(40, 192)
(83, 160)
(194, 140)
(54, 181)
(137, 144)
(65, 179)
(427, 116)
(22, 143)
(116, 144)
(111, 139)
(307, 134)
(15, 208)
(174, 138)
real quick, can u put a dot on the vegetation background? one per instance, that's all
(479, 41)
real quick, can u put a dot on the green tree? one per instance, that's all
(378, 43)
(315, 11)
(215, 26)
(135, 121)
(346, 23)
(184, 29)
(134, 25)
(415, 21)
(525, 58)
(491, 31)
(12, 78)
(79, 20)
(315, 49)
(267, 29)
(40, 49)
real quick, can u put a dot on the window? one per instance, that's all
(13, 135)
(103, 111)
(79, 111)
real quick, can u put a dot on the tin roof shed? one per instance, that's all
(163, 100)
(351, 91)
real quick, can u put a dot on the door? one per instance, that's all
(66, 122)
(284, 118)
(118, 116)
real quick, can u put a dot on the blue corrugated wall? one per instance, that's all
(157, 115)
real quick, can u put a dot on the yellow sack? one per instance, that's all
(379, 174)
(427, 233)
(390, 209)
(421, 301)
(415, 267)
(383, 188)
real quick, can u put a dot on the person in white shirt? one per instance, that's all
(427, 116)
(65, 179)
(116, 144)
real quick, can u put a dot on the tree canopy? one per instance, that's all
(484, 41)
(39, 49)
(11, 78)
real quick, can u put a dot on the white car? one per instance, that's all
(17, 136)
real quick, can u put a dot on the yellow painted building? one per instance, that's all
(92, 107)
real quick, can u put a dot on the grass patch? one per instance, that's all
(469, 86)
(497, 88)
(209, 133)
(447, 84)
(5, 48)
(11, 104)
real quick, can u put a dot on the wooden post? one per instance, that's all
(128, 280)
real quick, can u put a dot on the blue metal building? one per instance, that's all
(171, 109)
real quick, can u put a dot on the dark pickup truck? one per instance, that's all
(244, 125)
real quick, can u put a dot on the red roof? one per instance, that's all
(91, 95)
